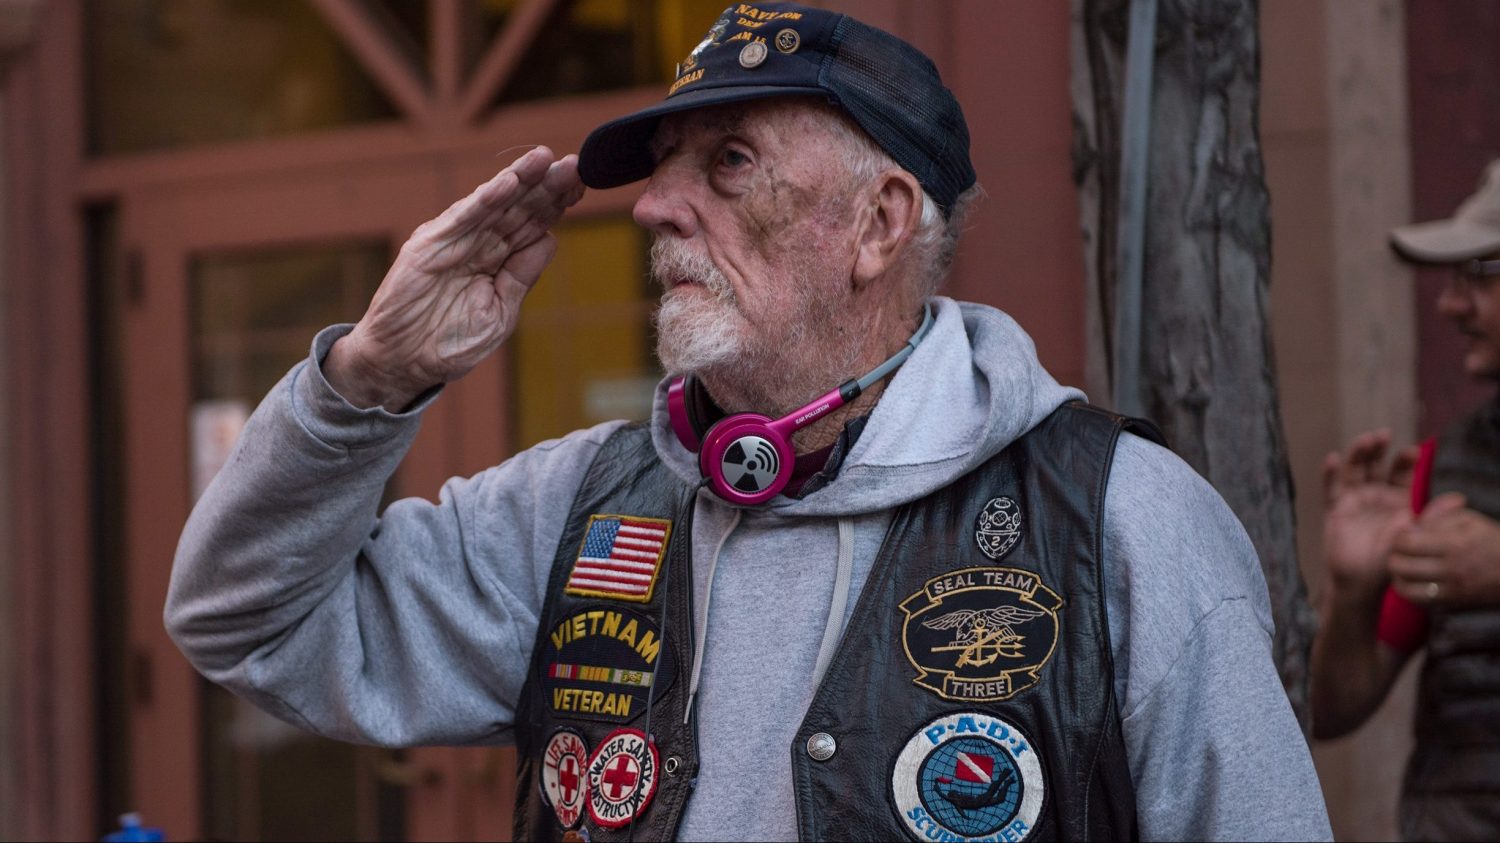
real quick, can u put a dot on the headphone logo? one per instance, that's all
(750, 464)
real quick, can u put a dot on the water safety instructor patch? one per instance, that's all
(980, 634)
(969, 776)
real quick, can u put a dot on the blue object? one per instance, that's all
(131, 831)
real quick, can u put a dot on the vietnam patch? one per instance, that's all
(603, 664)
(564, 784)
(619, 558)
(622, 778)
(969, 776)
(980, 634)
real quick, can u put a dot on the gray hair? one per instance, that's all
(935, 241)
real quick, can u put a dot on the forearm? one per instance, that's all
(283, 522)
(1352, 670)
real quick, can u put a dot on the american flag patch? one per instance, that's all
(619, 558)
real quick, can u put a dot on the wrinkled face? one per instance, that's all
(1472, 303)
(750, 205)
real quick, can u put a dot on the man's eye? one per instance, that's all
(734, 158)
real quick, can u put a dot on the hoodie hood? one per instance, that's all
(972, 387)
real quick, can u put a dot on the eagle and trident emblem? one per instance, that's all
(984, 635)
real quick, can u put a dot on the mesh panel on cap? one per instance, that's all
(874, 74)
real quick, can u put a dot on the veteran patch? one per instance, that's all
(565, 760)
(998, 527)
(622, 778)
(601, 663)
(969, 776)
(619, 558)
(980, 634)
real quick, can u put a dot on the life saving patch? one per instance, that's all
(622, 778)
(980, 634)
(599, 664)
(565, 761)
(619, 558)
(969, 776)
(998, 527)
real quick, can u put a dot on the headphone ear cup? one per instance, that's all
(692, 411)
(745, 460)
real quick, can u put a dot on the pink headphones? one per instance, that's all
(747, 457)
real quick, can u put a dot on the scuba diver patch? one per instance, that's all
(969, 776)
(980, 634)
(998, 527)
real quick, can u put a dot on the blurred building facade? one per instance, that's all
(191, 188)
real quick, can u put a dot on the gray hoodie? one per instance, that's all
(416, 627)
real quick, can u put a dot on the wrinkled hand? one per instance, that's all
(454, 293)
(1365, 505)
(1451, 555)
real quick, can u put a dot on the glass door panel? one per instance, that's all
(582, 353)
(253, 316)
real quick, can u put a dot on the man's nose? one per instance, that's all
(1455, 301)
(663, 207)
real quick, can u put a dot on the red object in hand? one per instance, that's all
(1403, 624)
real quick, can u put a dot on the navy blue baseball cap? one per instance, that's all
(761, 50)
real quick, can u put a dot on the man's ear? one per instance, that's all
(887, 224)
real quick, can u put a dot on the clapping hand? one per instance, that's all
(1366, 504)
(1450, 555)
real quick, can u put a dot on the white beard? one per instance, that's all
(694, 331)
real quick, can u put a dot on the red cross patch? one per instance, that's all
(622, 776)
(563, 783)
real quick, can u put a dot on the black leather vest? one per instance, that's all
(971, 698)
(1452, 786)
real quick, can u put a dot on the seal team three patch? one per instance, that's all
(619, 558)
(980, 634)
(998, 528)
(969, 776)
(622, 778)
(564, 787)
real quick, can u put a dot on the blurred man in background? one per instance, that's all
(1412, 551)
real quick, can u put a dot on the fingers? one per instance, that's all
(1442, 506)
(1405, 466)
(523, 268)
(1416, 568)
(1422, 592)
(502, 191)
(1358, 463)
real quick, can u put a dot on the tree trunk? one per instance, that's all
(1208, 375)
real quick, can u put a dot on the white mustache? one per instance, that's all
(673, 261)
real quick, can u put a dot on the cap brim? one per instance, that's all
(619, 152)
(1444, 241)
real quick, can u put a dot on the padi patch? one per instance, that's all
(980, 634)
(969, 776)
(622, 777)
(999, 527)
(565, 759)
(602, 664)
(619, 558)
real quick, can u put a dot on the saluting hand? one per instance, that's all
(454, 293)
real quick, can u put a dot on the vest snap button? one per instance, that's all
(821, 746)
(673, 762)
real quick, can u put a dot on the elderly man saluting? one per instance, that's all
(868, 572)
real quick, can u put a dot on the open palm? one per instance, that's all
(1366, 505)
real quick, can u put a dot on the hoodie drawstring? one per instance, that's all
(833, 629)
(701, 622)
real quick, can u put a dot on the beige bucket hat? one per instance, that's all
(1472, 232)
